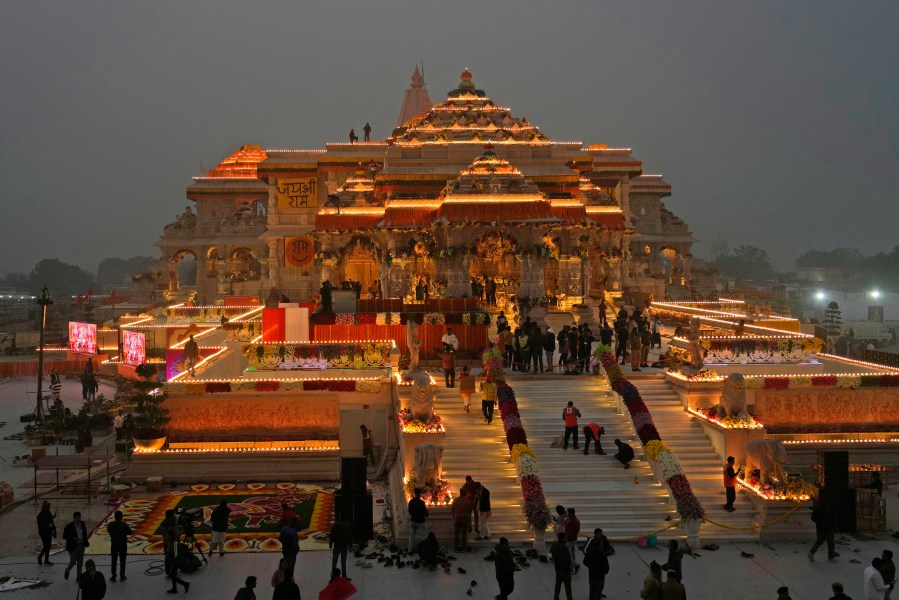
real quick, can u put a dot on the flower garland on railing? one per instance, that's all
(715, 414)
(795, 489)
(476, 318)
(840, 381)
(666, 463)
(197, 388)
(388, 318)
(410, 425)
(434, 319)
(350, 355)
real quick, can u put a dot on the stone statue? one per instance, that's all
(428, 462)
(422, 397)
(768, 456)
(733, 397)
(384, 278)
(695, 348)
(414, 343)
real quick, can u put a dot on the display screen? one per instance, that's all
(134, 347)
(83, 337)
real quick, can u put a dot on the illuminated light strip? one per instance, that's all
(858, 362)
(743, 337)
(294, 151)
(603, 209)
(352, 211)
(327, 343)
(720, 378)
(227, 177)
(399, 379)
(839, 441)
(197, 336)
(459, 198)
(216, 306)
(200, 363)
(779, 497)
(676, 308)
(176, 325)
(698, 414)
(240, 450)
(290, 379)
(413, 204)
(565, 203)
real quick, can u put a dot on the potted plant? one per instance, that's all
(149, 431)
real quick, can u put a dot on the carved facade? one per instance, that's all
(465, 191)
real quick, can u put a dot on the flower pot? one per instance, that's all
(151, 444)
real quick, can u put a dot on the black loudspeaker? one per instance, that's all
(358, 510)
(842, 502)
(352, 474)
(836, 469)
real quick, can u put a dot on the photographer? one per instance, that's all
(170, 537)
(219, 520)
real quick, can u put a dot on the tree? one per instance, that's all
(60, 277)
(118, 271)
(838, 257)
(833, 319)
(745, 262)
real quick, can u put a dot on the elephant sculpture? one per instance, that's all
(428, 461)
(422, 397)
(768, 456)
(733, 397)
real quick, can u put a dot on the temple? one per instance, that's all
(461, 192)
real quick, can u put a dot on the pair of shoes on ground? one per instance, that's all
(729, 508)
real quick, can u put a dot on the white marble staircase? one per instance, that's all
(602, 492)
(471, 447)
(680, 432)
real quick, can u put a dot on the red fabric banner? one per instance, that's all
(273, 324)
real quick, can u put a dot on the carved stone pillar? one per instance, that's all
(532, 280)
(458, 276)
(399, 277)
(273, 260)
(222, 275)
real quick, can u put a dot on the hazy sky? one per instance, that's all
(777, 123)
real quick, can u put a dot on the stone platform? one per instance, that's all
(234, 466)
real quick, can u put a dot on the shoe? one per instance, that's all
(171, 591)
(601, 452)
(811, 557)
(66, 574)
(222, 553)
(112, 578)
(479, 538)
(40, 560)
(585, 453)
(122, 578)
(186, 587)
(47, 562)
(835, 554)
(832, 559)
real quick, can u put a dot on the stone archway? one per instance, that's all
(360, 261)
(183, 269)
(495, 257)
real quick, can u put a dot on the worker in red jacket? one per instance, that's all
(570, 414)
(592, 432)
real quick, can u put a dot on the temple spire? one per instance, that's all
(416, 100)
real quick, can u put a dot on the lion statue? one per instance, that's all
(428, 461)
(733, 397)
(422, 397)
(768, 456)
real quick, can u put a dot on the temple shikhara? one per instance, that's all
(461, 192)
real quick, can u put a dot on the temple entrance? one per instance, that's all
(244, 266)
(183, 270)
(360, 266)
(495, 260)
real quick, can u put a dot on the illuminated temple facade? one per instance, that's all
(463, 190)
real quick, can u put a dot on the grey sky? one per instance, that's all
(777, 123)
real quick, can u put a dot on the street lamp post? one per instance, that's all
(44, 301)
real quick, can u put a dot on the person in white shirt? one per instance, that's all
(449, 339)
(875, 588)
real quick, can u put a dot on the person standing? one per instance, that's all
(570, 415)
(646, 344)
(597, 564)
(287, 589)
(287, 513)
(290, 543)
(118, 543)
(673, 589)
(278, 575)
(368, 448)
(484, 509)
(573, 347)
(191, 355)
(466, 388)
(448, 360)
(219, 520)
(572, 531)
(536, 341)
(461, 512)
(605, 335)
(488, 399)
(505, 567)
(366, 132)
(118, 423)
(170, 537)
(625, 453)
(75, 536)
(563, 564)
(875, 587)
(823, 518)
(563, 347)
(675, 560)
(887, 571)
(340, 539)
(656, 333)
(522, 350)
(601, 311)
(246, 592)
(418, 519)
(621, 335)
(502, 323)
(353, 137)
(838, 593)
(549, 347)
(450, 339)
(559, 520)
(730, 484)
(471, 490)
(91, 584)
(636, 348)
(593, 433)
(46, 529)
(652, 584)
